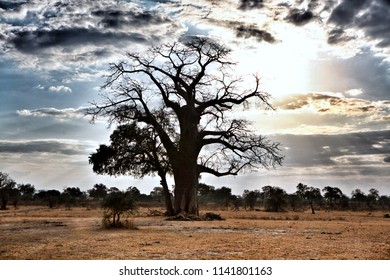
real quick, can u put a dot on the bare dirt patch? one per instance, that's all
(41, 233)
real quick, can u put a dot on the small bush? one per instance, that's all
(386, 216)
(115, 205)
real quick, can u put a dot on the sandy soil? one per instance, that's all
(41, 233)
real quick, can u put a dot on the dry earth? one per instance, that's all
(41, 233)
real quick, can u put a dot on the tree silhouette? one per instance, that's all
(51, 197)
(184, 93)
(333, 195)
(7, 190)
(115, 204)
(359, 196)
(134, 151)
(310, 194)
(372, 197)
(250, 198)
(98, 191)
(275, 198)
(27, 191)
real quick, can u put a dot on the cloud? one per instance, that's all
(339, 36)
(114, 18)
(300, 17)
(251, 4)
(370, 16)
(56, 35)
(57, 146)
(331, 104)
(249, 31)
(60, 88)
(354, 92)
(6, 5)
(348, 149)
(34, 41)
(53, 112)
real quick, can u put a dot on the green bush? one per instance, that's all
(115, 205)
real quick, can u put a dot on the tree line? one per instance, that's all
(268, 198)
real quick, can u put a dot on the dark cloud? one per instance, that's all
(338, 36)
(371, 16)
(250, 4)
(34, 41)
(300, 17)
(244, 31)
(349, 149)
(7, 5)
(345, 13)
(42, 146)
(118, 18)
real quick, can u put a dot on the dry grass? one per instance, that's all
(41, 233)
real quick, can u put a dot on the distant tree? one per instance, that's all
(275, 198)
(372, 197)
(27, 191)
(116, 204)
(7, 189)
(310, 194)
(99, 191)
(157, 193)
(295, 201)
(237, 202)
(205, 190)
(384, 202)
(250, 198)
(359, 197)
(134, 192)
(51, 197)
(72, 195)
(223, 196)
(333, 196)
(184, 93)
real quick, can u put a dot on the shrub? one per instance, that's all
(115, 205)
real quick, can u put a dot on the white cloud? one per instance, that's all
(53, 112)
(354, 92)
(60, 88)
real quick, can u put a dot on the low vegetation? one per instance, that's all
(259, 224)
(38, 232)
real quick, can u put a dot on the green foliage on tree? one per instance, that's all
(134, 151)
(115, 205)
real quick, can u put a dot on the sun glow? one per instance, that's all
(283, 66)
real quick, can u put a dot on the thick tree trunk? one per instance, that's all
(185, 167)
(186, 183)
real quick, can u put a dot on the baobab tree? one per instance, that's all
(183, 92)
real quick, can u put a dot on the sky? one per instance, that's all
(326, 65)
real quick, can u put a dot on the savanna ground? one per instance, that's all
(36, 232)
